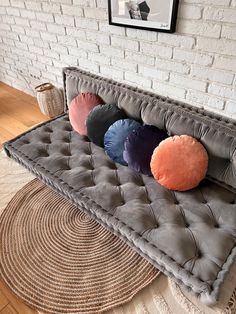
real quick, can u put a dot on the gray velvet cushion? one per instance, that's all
(188, 235)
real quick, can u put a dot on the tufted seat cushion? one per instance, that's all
(191, 235)
(188, 235)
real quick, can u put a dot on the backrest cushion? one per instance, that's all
(100, 119)
(215, 132)
(79, 108)
(139, 146)
(115, 137)
(179, 163)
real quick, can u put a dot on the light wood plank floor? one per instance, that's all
(18, 112)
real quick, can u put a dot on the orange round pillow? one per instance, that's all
(179, 163)
(79, 109)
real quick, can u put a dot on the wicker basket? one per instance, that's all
(50, 99)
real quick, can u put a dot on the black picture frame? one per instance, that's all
(140, 19)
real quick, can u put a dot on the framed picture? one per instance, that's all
(155, 15)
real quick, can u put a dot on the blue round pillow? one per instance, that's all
(115, 137)
(139, 147)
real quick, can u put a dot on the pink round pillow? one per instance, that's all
(79, 109)
(179, 163)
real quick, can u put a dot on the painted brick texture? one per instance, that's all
(197, 64)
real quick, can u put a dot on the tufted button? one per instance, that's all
(86, 139)
(112, 167)
(87, 152)
(65, 167)
(176, 202)
(67, 129)
(48, 130)
(216, 225)
(199, 254)
(66, 140)
(204, 202)
(232, 202)
(66, 153)
(187, 225)
(44, 154)
(46, 140)
(122, 203)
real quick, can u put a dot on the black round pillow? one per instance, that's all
(100, 119)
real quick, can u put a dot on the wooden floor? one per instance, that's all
(18, 112)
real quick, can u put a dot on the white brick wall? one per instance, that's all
(196, 65)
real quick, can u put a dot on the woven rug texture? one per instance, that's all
(161, 296)
(58, 259)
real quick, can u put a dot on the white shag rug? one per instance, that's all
(162, 296)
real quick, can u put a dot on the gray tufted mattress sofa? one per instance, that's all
(189, 236)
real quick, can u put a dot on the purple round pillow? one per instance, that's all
(139, 147)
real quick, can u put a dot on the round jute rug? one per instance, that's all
(58, 260)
